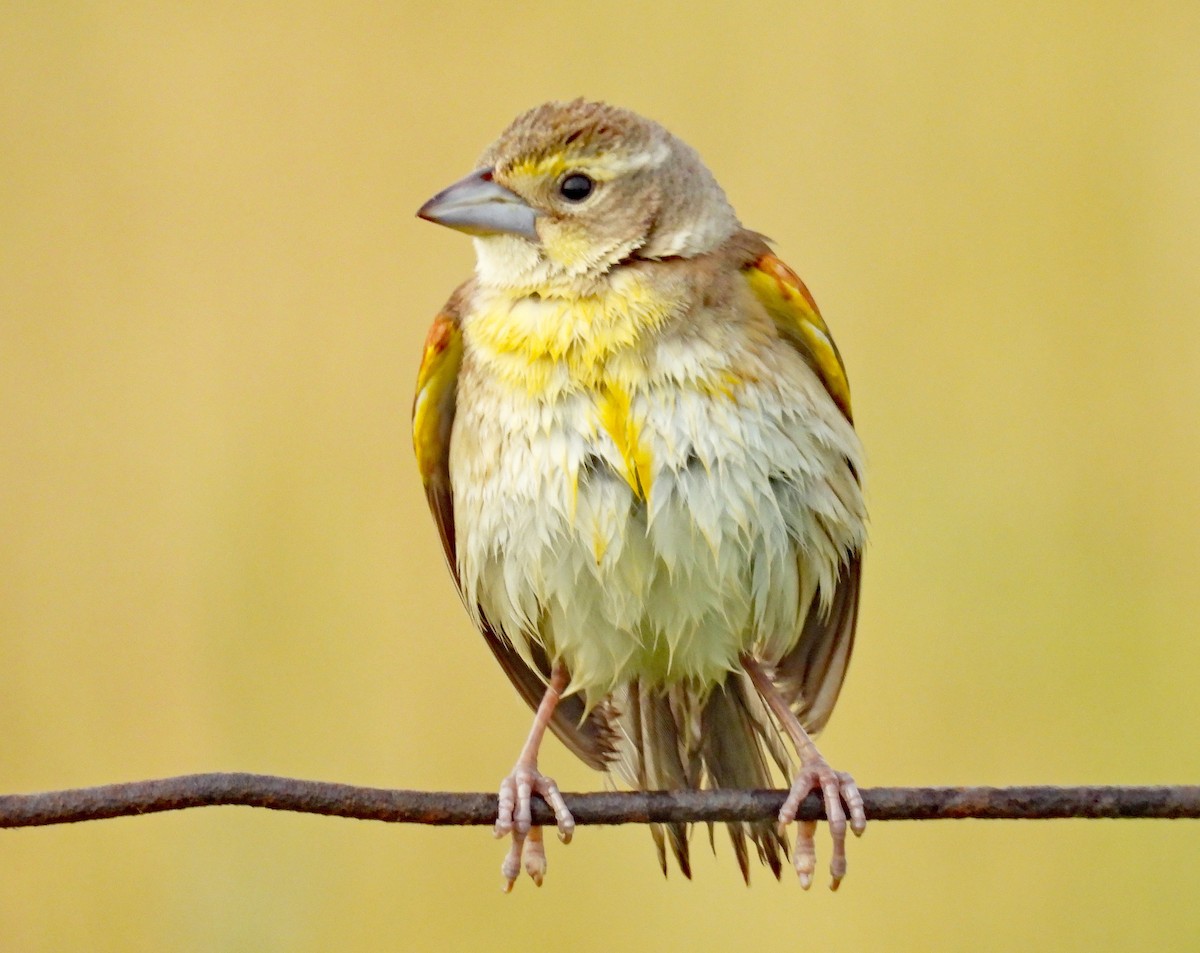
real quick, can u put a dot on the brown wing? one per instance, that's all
(811, 675)
(588, 734)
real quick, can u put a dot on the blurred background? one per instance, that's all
(214, 549)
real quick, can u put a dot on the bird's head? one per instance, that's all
(571, 191)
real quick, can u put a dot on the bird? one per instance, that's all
(634, 432)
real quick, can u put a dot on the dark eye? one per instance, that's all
(576, 187)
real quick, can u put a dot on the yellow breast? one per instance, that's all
(547, 346)
(528, 338)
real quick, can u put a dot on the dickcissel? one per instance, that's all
(634, 432)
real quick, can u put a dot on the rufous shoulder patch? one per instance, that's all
(433, 403)
(799, 322)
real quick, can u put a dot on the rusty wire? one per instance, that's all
(444, 808)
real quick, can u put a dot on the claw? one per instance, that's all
(510, 867)
(839, 793)
(806, 853)
(514, 816)
(854, 801)
(535, 856)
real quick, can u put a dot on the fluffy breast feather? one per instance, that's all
(654, 508)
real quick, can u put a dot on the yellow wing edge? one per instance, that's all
(797, 319)
(433, 403)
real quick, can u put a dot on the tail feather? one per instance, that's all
(733, 758)
(664, 769)
(674, 739)
(765, 727)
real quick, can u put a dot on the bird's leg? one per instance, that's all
(515, 807)
(815, 775)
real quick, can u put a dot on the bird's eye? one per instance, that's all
(576, 187)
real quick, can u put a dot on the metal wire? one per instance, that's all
(443, 808)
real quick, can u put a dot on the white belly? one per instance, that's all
(749, 510)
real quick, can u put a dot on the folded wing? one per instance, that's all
(811, 675)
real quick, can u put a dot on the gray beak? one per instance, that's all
(478, 206)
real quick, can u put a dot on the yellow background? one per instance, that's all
(214, 551)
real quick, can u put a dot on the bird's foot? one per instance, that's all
(514, 816)
(841, 795)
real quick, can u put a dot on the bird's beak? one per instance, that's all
(479, 206)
